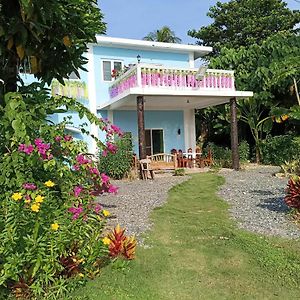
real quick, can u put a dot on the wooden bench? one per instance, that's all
(163, 161)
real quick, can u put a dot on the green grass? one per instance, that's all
(197, 252)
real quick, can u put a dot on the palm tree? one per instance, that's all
(165, 35)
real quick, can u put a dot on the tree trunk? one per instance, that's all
(234, 135)
(257, 154)
(141, 127)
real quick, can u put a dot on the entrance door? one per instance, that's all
(154, 141)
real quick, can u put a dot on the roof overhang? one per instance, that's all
(198, 51)
(169, 100)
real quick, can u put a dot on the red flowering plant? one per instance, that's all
(292, 198)
(50, 221)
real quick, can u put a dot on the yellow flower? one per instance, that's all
(54, 226)
(39, 199)
(284, 117)
(81, 275)
(106, 241)
(49, 183)
(17, 196)
(35, 207)
(27, 200)
(106, 213)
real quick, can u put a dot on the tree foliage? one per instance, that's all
(266, 69)
(46, 37)
(245, 22)
(165, 35)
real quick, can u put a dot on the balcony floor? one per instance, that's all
(166, 99)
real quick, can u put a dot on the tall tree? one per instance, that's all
(165, 35)
(45, 37)
(269, 69)
(245, 22)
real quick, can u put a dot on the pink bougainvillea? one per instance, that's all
(76, 211)
(77, 190)
(29, 186)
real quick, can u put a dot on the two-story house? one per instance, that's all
(156, 98)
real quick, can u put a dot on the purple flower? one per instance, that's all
(117, 130)
(58, 138)
(76, 168)
(28, 149)
(113, 189)
(94, 171)
(82, 160)
(76, 211)
(111, 147)
(104, 153)
(104, 178)
(97, 208)
(29, 186)
(77, 190)
(38, 142)
(68, 138)
(22, 147)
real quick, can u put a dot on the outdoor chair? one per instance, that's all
(190, 159)
(205, 161)
(146, 169)
(182, 161)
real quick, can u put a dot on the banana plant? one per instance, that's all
(260, 122)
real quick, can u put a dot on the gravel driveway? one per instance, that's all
(135, 200)
(256, 199)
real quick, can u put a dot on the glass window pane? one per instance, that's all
(118, 65)
(106, 70)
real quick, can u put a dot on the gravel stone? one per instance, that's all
(256, 199)
(135, 200)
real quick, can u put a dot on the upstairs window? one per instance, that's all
(108, 66)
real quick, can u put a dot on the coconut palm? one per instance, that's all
(165, 35)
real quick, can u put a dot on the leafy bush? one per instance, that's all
(179, 172)
(118, 164)
(291, 168)
(222, 156)
(244, 151)
(279, 149)
(50, 222)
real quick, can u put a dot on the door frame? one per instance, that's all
(151, 140)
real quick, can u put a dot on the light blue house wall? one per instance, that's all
(129, 56)
(75, 120)
(169, 121)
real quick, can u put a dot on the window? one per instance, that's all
(108, 66)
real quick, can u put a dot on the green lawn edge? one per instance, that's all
(195, 251)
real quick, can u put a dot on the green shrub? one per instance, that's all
(279, 149)
(179, 172)
(50, 223)
(222, 156)
(291, 168)
(117, 165)
(244, 151)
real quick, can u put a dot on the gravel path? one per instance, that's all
(256, 199)
(135, 200)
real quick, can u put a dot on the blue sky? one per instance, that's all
(136, 18)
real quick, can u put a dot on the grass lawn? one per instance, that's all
(197, 252)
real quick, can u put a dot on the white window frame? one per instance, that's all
(151, 138)
(112, 61)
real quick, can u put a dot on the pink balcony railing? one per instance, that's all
(158, 77)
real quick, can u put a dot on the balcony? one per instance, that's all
(162, 79)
